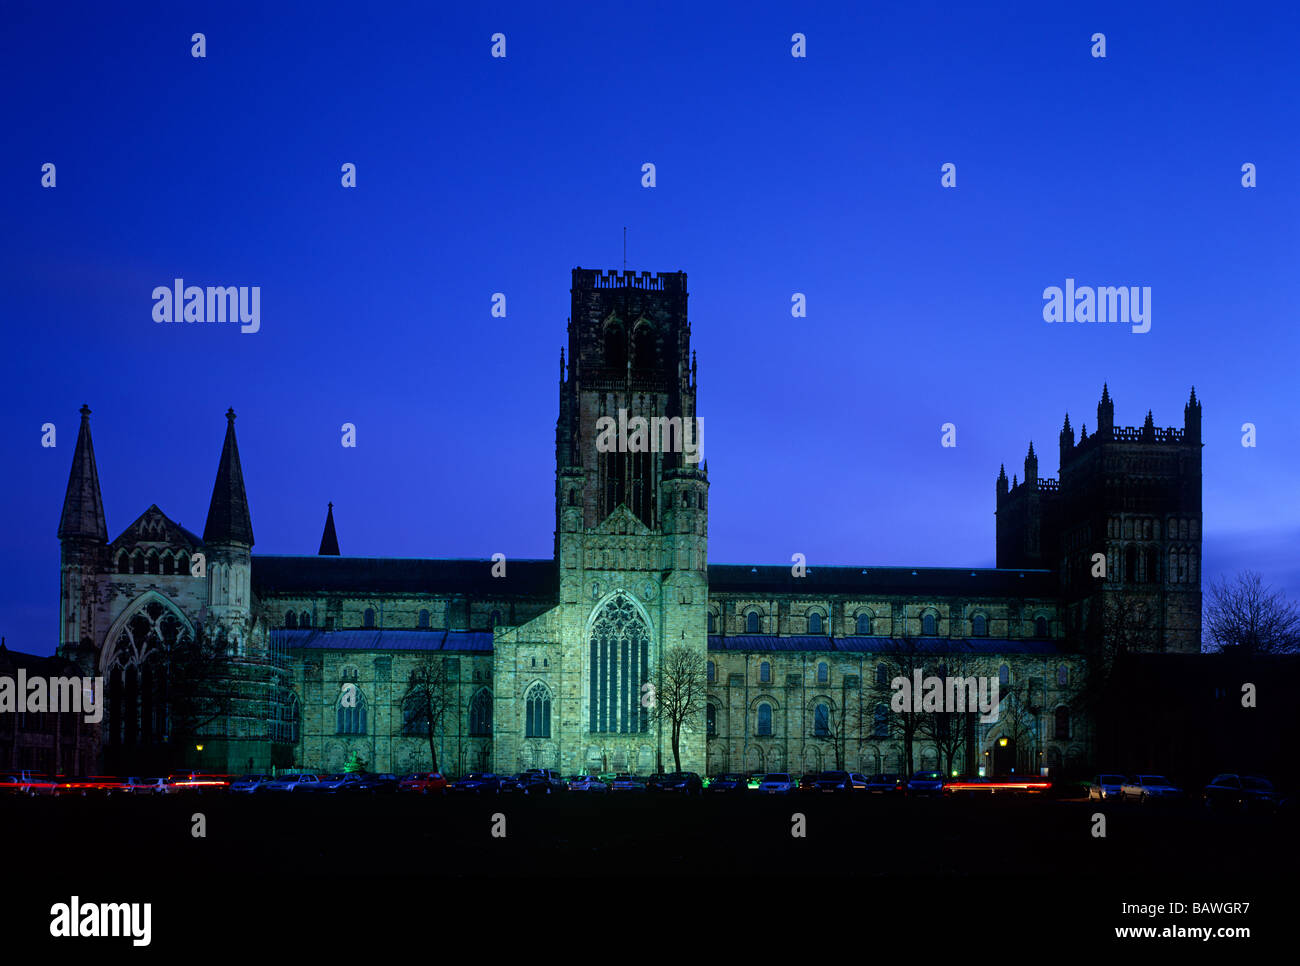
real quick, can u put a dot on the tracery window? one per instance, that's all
(619, 667)
(537, 705)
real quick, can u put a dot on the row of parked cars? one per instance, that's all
(536, 781)
(1227, 791)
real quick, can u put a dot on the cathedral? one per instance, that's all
(546, 663)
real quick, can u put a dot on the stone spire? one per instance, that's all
(83, 507)
(228, 519)
(329, 540)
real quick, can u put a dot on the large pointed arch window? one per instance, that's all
(537, 704)
(619, 666)
(480, 714)
(136, 675)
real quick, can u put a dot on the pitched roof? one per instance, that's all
(882, 581)
(478, 642)
(83, 506)
(329, 540)
(884, 645)
(228, 519)
(401, 575)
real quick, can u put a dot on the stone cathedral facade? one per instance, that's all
(544, 662)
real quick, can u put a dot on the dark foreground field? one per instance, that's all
(1021, 867)
(577, 835)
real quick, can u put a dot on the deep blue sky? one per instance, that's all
(775, 175)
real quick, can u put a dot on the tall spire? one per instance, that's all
(83, 506)
(329, 540)
(228, 520)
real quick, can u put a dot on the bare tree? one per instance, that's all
(681, 696)
(948, 729)
(430, 696)
(1021, 714)
(1245, 617)
(1126, 627)
(200, 689)
(905, 657)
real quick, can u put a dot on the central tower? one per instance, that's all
(631, 513)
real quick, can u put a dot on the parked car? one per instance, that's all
(885, 784)
(925, 783)
(1105, 787)
(27, 783)
(382, 784)
(333, 784)
(144, 786)
(1149, 788)
(1241, 792)
(754, 779)
(423, 783)
(541, 781)
(248, 784)
(681, 782)
(777, 783)
(478, 783)
(859, 780)
(587, 783)
(289, 783)
(199, 783)
(730, 782)
(85, 785)
(834, 781)
(623, 782)
(808, 782)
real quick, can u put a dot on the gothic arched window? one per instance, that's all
(123, 563)
(814, 623)
(880, 722)
(1062, 723)
(305, 619)
(712, 670)
(619, 666)
(643, 347)
(823, 672)
(480, 714)
(929, 626)
(290, 619)
(711, 720)
(822, 721)
(753, 623)
(979, 626)
(764, 672)
(764, 719)
(423, 620)
(713, 624)
(864, 625)
(615, 346)
(351, 711)
(537, 705)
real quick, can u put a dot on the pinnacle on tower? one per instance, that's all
(1105, 412)
(329, 540)
(1192, 419)
(228, 518)
(83, 506)
(1031, 466)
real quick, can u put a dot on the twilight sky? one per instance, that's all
(775, 175)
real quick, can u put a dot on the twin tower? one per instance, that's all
(1121, 526)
